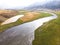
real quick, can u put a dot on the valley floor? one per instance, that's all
(28, 16)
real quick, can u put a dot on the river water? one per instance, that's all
(23, 34)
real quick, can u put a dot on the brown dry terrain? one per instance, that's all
(29, 16)
(8, 13)
(5, 14)
(2, 18)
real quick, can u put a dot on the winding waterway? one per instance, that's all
(23, 34)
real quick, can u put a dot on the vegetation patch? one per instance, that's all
(4, 27)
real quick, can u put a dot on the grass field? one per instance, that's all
(29, 16)
(49, 33)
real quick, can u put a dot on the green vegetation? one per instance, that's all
(34, 15)
(49, 33)
(43, 15)
(23, 11)
(4, 27)
(18, 22)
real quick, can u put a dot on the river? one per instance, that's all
(23, 34)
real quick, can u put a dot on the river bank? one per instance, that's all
(49, 33)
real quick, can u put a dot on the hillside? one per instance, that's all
(5, 14)
(55, 4)
(52, 5)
